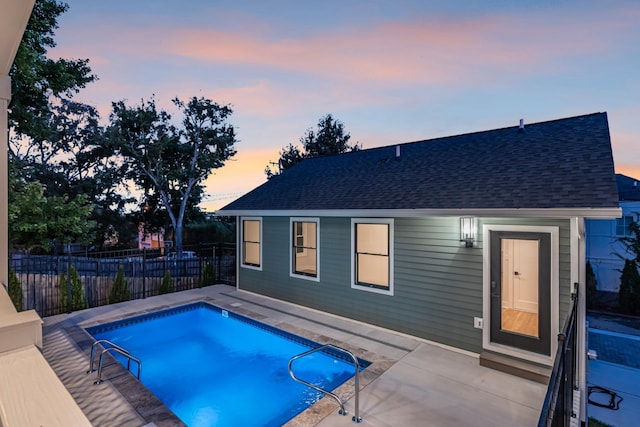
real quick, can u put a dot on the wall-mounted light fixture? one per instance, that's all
(468, 227)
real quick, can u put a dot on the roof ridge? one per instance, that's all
(440, 138)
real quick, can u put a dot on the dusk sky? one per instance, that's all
(392, 71)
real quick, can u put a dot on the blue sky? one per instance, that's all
(391, 71)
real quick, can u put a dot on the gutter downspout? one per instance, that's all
(578, 230)
(238, 253)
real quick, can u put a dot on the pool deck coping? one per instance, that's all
(397, 359)
(145, 407)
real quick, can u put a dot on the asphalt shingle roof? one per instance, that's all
(564, 163)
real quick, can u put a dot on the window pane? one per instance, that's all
(251, 231)
(372, 238)
(304, 243)
(305, 262)
(309, 233)
(252, 253)
(622, 225)
(251, 242)
(373, 269)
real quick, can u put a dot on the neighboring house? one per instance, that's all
(604, 250)
(472, 241)
(150, 240)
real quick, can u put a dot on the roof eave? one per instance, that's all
(591, 213)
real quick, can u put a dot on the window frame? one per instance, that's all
(626, 221)
(242, 244)
(294, 236)
(367, 287)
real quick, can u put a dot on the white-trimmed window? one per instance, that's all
(622, 225)
(305, 255)
(251, 238)
(372, 255)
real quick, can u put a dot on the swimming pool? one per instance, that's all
(212, 367)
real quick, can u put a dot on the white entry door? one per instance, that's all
(520, 274)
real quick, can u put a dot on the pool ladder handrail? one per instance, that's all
(356, 417)
(117, 349)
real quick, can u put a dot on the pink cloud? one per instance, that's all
(429, 51)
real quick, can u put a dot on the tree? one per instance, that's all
(169, 163)
(631, 241)
(166, 286)
(78, 301)
(36, 78)
(629, 294)
(591, 285)
(208, 275)
(54, 140)
(37, 220)
(210, 230)
(330, 138)
(15, 290)
(120, 289)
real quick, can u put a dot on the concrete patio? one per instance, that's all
(410, 382)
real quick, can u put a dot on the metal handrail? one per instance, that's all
(93, 350)
(356, 418)
(118, 350)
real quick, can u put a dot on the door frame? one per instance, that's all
(554, 292)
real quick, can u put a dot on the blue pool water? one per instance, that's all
(216, 368)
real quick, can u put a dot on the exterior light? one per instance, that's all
(468, 228)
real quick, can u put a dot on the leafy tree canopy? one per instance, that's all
(37, 220)
(170, 163)
(330, 138)
(55, 142)
(35, 78)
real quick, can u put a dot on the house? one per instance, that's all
(150, 239)
(604, 250)
(472, 241)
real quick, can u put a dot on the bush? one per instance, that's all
(208, 275)
(15, 290)
(166, 287)
(78, 301)
(592, 285)
(120, 289)
(629, 295)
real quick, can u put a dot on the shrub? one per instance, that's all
(78, 301)
(208, 275)
(166, 287)
(629, 294)
(592, 285)
(15, 290)
(120, 289)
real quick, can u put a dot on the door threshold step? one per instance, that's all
(517, 367)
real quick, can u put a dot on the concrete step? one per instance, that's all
(517, 367)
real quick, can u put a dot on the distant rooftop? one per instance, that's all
(628, 188)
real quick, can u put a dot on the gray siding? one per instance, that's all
(438, 282)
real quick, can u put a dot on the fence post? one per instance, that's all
(69, 305)
(96, 287)
(144, 273)
(217, 254)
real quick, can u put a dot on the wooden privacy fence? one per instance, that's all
(48, 288)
